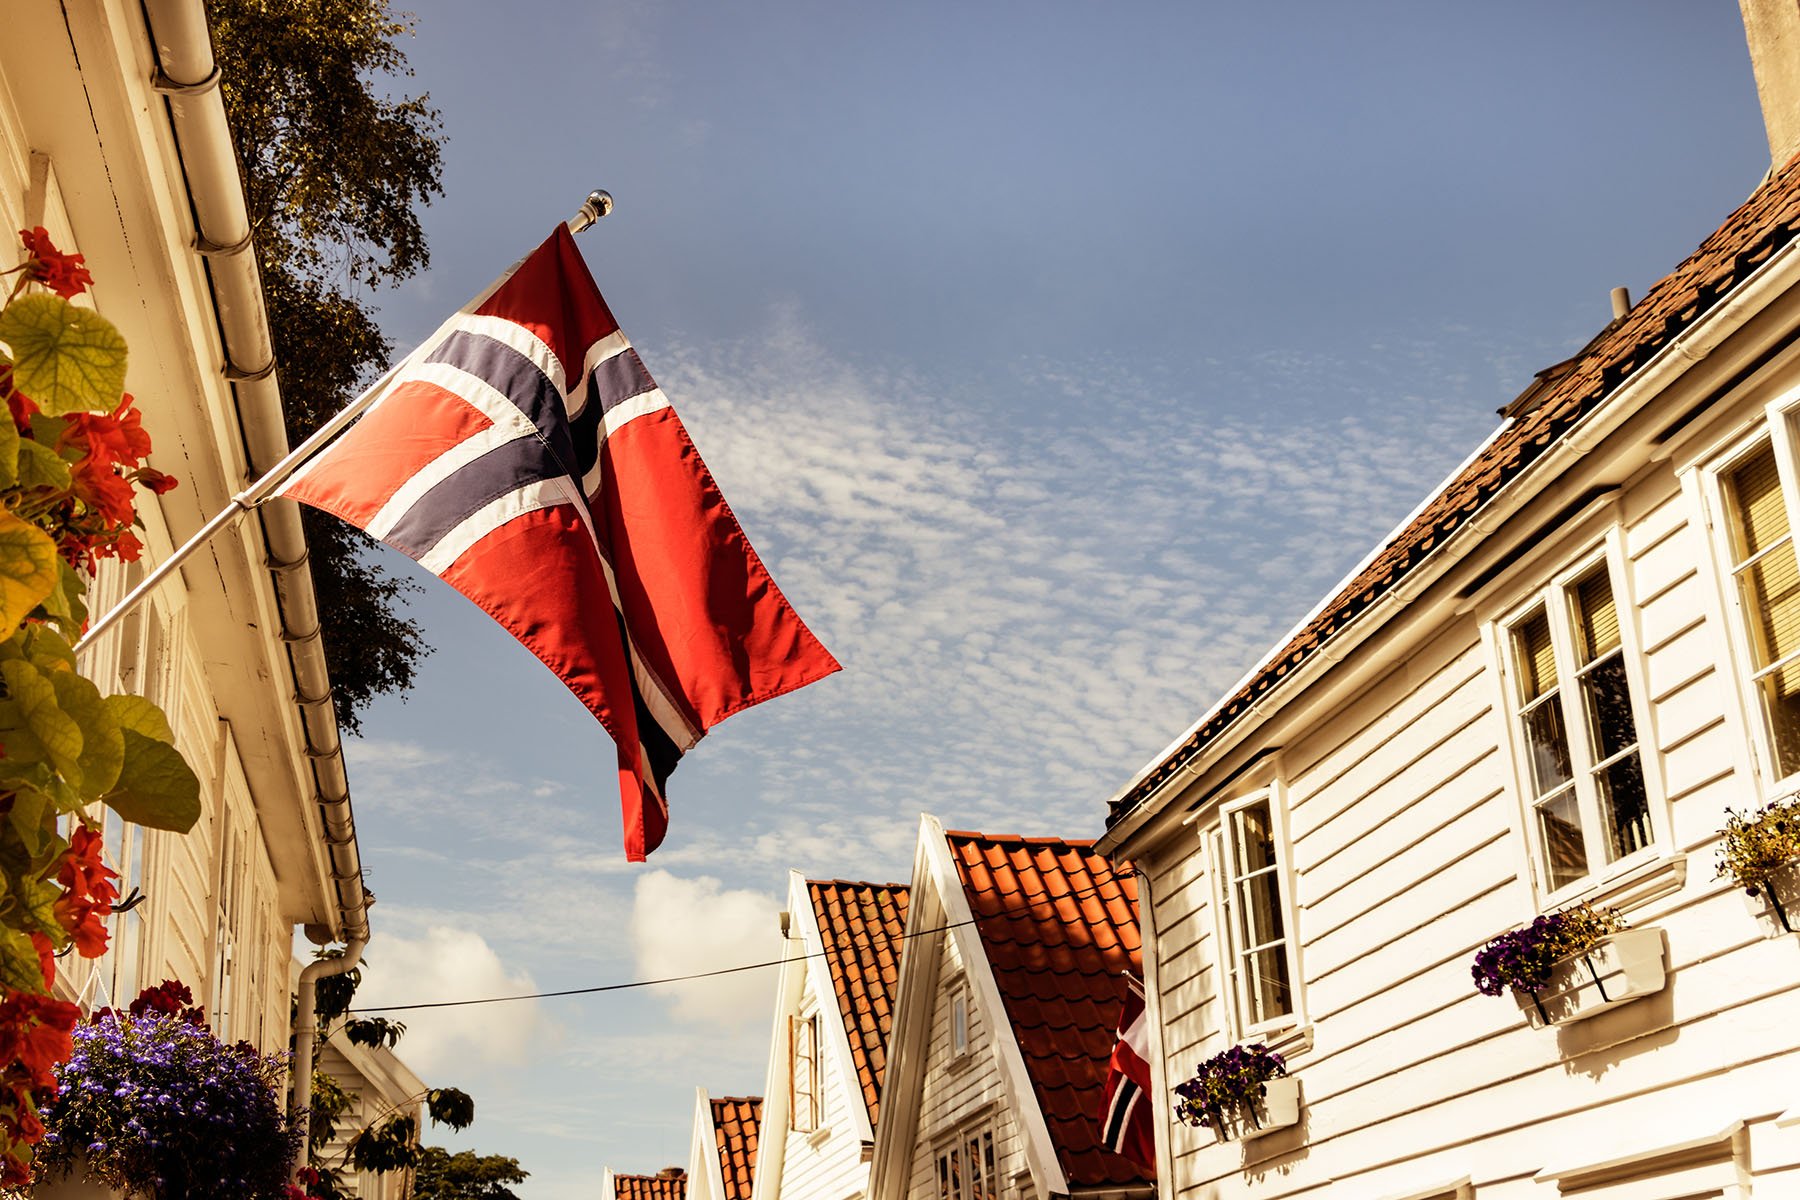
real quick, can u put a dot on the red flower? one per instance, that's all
(46, 957)
(35, 1034)
(88, 892)
(22, 406)
(62, 273)
(111, 438)
(98, 485)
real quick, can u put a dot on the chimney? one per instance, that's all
(1772, 27)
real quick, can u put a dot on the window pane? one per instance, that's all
(956, 1175)
(1253, 839)
(1537, 661)
(1266, 985)
(1598, 616)
(1624, 807)
(1758, 517)
(977, 1180)
(1771, 591)
(944, 1178)
(1547, 743)
(1781, 703)
(1607, 699)
(1559, 833)
(1259, 910)
(987, 1158)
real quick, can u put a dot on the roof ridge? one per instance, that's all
(860, 883)
(976, 835)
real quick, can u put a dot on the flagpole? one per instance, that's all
(597, 205)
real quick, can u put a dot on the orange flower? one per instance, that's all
(46, 957)
(88, 892)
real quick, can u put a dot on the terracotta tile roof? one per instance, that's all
(735, 1122)
(668, 1186)
(1765, 222)
(862, 925)
(1059, 924)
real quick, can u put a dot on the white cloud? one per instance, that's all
(446, 963)
(683, 926)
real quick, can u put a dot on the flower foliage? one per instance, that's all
(73, 452)
(158, 1106)
(1758, 844)
(1523, 959)
(1230, 1082)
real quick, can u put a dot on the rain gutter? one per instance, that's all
(188, 76)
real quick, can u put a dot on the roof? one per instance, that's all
(671, 1185)
(1058, 923)
(1764, 223)
(862, 925)
(735, 1123)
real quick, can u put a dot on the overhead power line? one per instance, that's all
(668, 979)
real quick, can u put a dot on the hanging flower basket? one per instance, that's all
(1570, 965)
(1279, 1108)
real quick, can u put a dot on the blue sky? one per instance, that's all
(1057, 357)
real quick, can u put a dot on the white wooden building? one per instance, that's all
(383, 1086)
(112, 137)
(1548, 685)
(1009, 992)
(722, 1156)
(828, 1048)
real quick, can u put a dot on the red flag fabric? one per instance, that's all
(1126, 1122)
(526, 457)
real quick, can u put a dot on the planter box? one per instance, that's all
(1278, 1109)
(73, 1187)
(1776, 907)
(1622, 967)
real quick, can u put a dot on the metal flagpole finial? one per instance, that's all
(598, 204)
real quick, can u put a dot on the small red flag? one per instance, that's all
(1126, 1122)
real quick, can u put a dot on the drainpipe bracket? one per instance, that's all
(207, 248)
(237, 374)
(292, 638)
(160, 82)
(293, 564)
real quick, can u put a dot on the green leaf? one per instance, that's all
(138, 715)
(68, 359)
(102, 741)
(28, 570)
(156, 787)
(42, 467)
(27, 816)
(19, 969)
(48, 650)
(33, 726)
(9, 452)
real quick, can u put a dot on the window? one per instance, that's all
(1573, 709)
(1766, 584)
(959, 1019)
(803, 1073)
(1253, 889)
(966, 1168)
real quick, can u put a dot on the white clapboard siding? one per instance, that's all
(1407, 854)
(826, 1164)
(962, 1095)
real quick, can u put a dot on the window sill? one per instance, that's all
(961, 1062)
(1637, 887)
(1291, 1042)
(819, 1136)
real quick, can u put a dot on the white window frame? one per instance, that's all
(1225, 876)
(1554, 596)
(954, 1148)
(1776, 430)
(961, 1005)
(813, 1086)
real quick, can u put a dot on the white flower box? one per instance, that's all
(73, 1186)
(1278, 1109)
(1622, 967)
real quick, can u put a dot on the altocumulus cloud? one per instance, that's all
(683, 926)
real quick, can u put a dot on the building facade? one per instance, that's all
(1552, 684)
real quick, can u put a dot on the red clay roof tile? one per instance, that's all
(862, 925)
(1059, 925)
(1768, 220)
(735, 1125)
(651, 1187)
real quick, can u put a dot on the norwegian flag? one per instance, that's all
(524, 456)
(1125, 1120)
